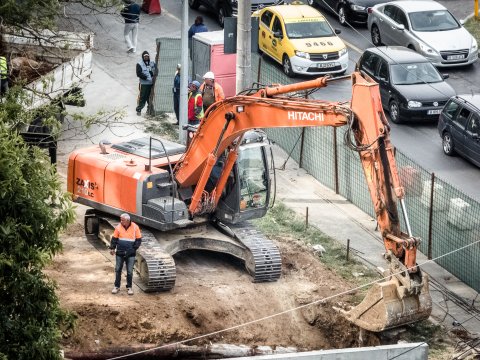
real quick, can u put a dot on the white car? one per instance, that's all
(424, 26)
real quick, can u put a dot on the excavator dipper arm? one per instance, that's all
(404, 298)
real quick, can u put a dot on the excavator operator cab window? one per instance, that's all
(253, 178)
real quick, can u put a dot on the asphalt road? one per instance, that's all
(420, 142)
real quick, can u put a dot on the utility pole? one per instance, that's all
(184, 74)
(244, 45)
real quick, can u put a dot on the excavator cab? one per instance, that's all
(247, 192)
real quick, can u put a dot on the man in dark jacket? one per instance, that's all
(197, 27)
(131, 14)
(145, 71)
(126, 239)
(176, 93)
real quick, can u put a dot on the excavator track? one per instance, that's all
(263, 260)
(155, 266)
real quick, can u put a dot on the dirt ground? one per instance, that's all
(212, 292)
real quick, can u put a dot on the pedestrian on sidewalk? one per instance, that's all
(126, 239)
(146, 69)
(197, 27)
(131, 15)
(176, 93)
(195, 103)
(211, 90)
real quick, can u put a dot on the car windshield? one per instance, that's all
(308, 29)
(435, 20)
(417, 73)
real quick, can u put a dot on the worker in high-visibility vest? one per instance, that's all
(3, 75)
(126, 240)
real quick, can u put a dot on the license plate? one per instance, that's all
(326, 65)
(434, 112)
(455, 57)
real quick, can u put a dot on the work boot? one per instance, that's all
(139, 113)
(115, 290)
(130, 291)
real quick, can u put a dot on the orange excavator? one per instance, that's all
(202, 196)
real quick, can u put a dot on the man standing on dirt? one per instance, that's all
(126, 240)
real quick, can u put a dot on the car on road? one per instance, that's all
(300, 38)
(459, 127)
(426, 27)
(348, 11)
(228, 8)
(411, 88)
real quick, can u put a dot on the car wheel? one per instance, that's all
(394, 111)
(447, 144)
(194, 4)
(376, 38)
(342, 16)
(287, 66)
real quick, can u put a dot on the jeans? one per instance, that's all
(120, 260)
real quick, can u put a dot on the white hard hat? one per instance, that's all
(209, 75)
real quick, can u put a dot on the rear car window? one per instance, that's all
(451, 109)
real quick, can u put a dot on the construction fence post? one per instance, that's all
(430, 217)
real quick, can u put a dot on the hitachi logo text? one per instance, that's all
(307, 116)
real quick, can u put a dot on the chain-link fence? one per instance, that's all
(442, 216)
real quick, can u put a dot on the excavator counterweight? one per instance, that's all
(202, 196)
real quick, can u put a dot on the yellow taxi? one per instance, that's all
(301, 39)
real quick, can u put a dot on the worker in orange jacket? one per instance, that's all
(211, 90)
(126, 240)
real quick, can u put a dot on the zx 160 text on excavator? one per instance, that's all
(202, 197)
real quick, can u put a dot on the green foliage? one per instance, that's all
(282, 221)
(33, 211)
(44, 14)
(161, 126)
(33, 12)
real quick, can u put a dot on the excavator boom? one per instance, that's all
(223, 173)
(405, 297)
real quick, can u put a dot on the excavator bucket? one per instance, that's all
(387, 306)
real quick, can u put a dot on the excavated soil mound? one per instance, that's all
(212, 292)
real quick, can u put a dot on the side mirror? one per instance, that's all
(445, 76)
(401, 27)
(278, 34)
(462, 22)
(338, 31)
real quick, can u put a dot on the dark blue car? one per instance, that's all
(459, 127)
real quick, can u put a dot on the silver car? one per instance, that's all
(424, 26)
